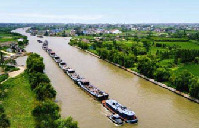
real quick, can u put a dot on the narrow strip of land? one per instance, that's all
(19, 102)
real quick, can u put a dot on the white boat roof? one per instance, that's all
(71, 69)
(119, 107)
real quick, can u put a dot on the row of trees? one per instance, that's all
(187, 55)
(46, 112)
(136, 56)
(186, 82)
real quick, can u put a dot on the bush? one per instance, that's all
(194, 87)
(20, 43)
(45, 114)
(45, 91)
(35, 63)
(182, 81)
(196, 60)
(146, 66)
(161, 74)
(10, 68)
(36, 78)
(4, 122)
(66, 123)
(3, 77)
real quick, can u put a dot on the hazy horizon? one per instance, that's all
(92, 12)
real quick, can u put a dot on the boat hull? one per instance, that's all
(114, 112)
(101, 98)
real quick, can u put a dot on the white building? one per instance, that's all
(116, 31)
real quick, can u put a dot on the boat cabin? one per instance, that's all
(120, 110)
(57, 57)
(52, 53)
(84, 82)
(62, 64)
(71, 70)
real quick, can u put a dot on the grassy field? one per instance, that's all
(6, 37)
(20, 102)
(183, 45)
(193, 68)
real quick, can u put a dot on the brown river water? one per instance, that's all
(154, 106)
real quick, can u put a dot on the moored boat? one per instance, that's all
(63, 65)
(44, 47)
(39, 36)
(57, 59)
(45, 43)
(115, 118)
(76, 78)
(92, 90)
(70, 71)
(39, 41)
(48, 50)
(116, 108)
(52, 54)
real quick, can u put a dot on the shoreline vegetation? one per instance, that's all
(27, 98)
(46, 112)
(144, 77)
(14, 110)
(18, 101)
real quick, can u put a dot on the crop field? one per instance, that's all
(193, 68)
(7, 37)
(183, 45)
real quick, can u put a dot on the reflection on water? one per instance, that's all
(154, 106)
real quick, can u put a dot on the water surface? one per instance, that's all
(155, 107)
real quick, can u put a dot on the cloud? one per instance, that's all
(33, 17)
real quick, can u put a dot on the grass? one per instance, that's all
(153, 49)
(193, 68)
(5, 37)
(168, 63)
(183, 45)
(19, 102)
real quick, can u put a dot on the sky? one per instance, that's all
(99, 11)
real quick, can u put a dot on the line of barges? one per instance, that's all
(80, 81)
(118, 111)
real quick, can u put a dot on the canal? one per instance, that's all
(155, 107)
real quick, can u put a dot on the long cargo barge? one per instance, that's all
(81, 82)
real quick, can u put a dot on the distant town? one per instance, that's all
(100, 29)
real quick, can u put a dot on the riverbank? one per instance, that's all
(146, 78)
(19, 101)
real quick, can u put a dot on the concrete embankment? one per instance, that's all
(148, 79)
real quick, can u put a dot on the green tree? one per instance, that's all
(45, 91)
(45, 114)
(182, 81)
(35, 63)
(194, 87)
(146, 66)
(36, 78)
(20, 43)
(46, 33)
(129, 60)
(66, 123)
(162, 74)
